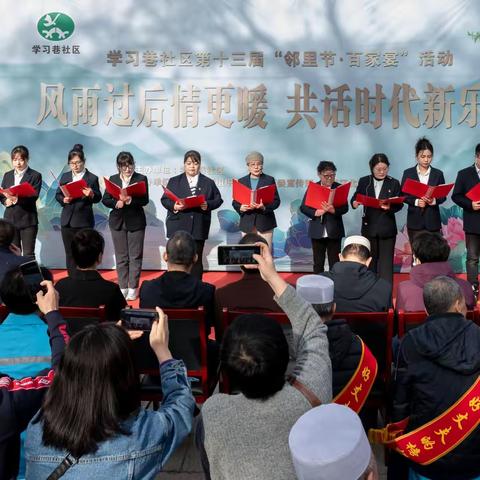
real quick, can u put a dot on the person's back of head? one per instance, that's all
(430, 247)
(319, 292)
(15, 293)
(7, 233)
(356, 249)
(249, 239)
(180, 253)
(95, 388)
(443, 295)
(255, 355)
(87, 248)
(328, 443)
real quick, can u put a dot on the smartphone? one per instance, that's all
(237, 254)
(33, 277)
(138, 318)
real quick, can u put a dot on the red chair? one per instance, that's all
(188, 341)
(78, 318)
(3, 312)
(409, 320)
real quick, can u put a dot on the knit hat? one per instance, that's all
(254, 157)
(329, 443)
(315, 289)
(357, 240)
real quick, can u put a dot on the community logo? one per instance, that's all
(55, 26)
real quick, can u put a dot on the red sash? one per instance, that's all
(356, 391)
(436, 438)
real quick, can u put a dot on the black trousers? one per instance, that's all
(472, 242)
(197, 269)
(25, 240)
(322, 247)
(67, 236)
(382, 250)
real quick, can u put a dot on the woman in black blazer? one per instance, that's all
(423, 213)
(379, 224)
(77, 213)
(127, 223)
(22, 211)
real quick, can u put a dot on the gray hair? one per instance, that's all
(440, 294)
(254, 157)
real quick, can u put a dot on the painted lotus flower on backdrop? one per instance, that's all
(402, 259)
(453, 232)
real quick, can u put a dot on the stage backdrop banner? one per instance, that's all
(297, 81)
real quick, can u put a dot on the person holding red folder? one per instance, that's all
(379, 224)
(22, 210)
(257, 217)
(423, 213)
(325, 228)
(195, 221)
(77, 212)
(127, 223)
(466, 194)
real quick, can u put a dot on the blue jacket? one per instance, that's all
(140, 455)
(24, 346)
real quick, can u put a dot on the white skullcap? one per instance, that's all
(254, 157)
(329, 443)
(357, 240)
(315, 289)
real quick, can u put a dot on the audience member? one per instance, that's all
(358, 289)
(430, 256)
(20, 399)
(250, 292)
(177, 287)
(344, 347)
(328, 443)
(438, 362)
(24, 346)
(246, 436)
(91, 422)
(10, 254)
(85, 287)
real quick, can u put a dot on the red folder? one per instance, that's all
(246, 196)
(474, 193)
(136, 189)
(377, 202)
(317, 194)
(419, 189)
(22, 190)
(193, 201)
(74, 189)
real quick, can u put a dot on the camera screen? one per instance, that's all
(237, 254)
(32, 276)
(139, 323)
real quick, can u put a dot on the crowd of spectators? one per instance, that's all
(79, 399)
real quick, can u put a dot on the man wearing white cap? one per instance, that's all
(329, 443)
(344, 348)
(358, 289)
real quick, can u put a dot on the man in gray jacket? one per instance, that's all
(246, 435)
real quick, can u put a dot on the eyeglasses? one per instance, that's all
(255, 164)
(127, 167)
(330, 175)
(75, 164)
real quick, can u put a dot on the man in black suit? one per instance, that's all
(195, 221)
(9, 253)
(326, 225)
(22, 211)
(85, 287)
(423, 213)
(76, 213)
(466, 180)
(257, 218)
(177, 287)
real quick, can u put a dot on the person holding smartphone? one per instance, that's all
(423, 213)
(77, 213)
(22, 211)
(127, 223)
(195, 221)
